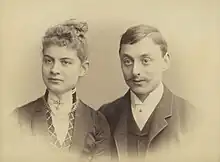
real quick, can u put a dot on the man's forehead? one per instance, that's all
(144, 46)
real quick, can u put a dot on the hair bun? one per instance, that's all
(80, 26)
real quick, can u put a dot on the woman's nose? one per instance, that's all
(55, 69)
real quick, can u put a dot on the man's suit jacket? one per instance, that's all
(171, 119)
(91, 130)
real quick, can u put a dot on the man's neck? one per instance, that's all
(142, 97)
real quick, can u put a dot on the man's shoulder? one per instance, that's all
(112, 105)
(182, 104)
(177, 100)
(112, 111)
(186, 112)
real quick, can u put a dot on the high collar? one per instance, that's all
(62, 103)
(70, 94)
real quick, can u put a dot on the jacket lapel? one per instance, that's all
(120, 134)
(39, 122)
(80, 127)
(159, 122)
(162, 112)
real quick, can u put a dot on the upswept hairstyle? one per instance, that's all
(70, 34)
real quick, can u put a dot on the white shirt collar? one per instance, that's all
(142, 110)
(154, 96)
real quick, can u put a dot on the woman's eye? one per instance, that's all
(146, 61)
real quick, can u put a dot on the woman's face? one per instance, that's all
(61, 68)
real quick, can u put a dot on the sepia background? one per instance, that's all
(190, 27)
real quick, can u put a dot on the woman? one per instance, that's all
(59, 116)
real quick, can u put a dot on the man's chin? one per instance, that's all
(141, 90)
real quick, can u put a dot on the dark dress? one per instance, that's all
(88, 133)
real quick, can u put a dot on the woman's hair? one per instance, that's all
(70, 34)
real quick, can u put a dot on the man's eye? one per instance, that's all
(66, 62)
(127, 62)
(47, 61)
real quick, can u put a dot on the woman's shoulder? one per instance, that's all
(85, 107)
(29, 107)
(96, 115)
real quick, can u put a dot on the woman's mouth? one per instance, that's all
(55, 80)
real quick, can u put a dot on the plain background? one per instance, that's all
(191, 29)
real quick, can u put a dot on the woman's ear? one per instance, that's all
(84, 68)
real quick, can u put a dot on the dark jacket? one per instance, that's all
(91, 130)
(170, 119)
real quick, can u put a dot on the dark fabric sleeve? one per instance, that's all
(112, 114)
(14, 120)
(97, 142)
(20, 120)
(189, 116)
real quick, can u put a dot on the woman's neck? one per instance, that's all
(62, 103)
(62, 96)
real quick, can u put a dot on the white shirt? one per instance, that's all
(60, 108)
(142, 110)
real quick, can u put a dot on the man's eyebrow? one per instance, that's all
(45, 55)
(126, 55)
(145, 55)
(66, 58)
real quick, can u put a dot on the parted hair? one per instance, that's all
(136, 33)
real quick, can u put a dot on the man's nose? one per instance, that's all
(55, 69)
(136, 68)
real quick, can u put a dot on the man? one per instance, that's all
(149, 115)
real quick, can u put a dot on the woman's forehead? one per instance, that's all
(60, 52)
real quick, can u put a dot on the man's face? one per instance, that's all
(61, 69)
(142, 65)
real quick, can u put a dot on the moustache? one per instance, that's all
(135, 78)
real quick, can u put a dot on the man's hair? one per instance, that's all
(137, 33)
(70, 34)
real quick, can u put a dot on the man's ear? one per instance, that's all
(84, 68)
(166, 61)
